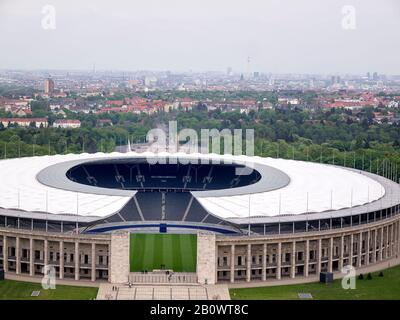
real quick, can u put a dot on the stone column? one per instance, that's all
(387, 243)
(293, 262)
(341, 257)
(248, 263)
(232, 266)
(319, 256)
(374, 243)
(367, 246)
(5, 253)
(45, 252)
(391, 239)
(359, 250)
(31, 258)
(395, 238)
(398, 237)
(306, 258)
(381, 246)
(77, 262)
(383, 242)
(264, 263)
(279, 261)
(351, 250)
(206, 258)
(330, 259)
(17, 255)
(396, 229)
(93, 261)
(61, 250)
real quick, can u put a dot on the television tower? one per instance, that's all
(248, 71)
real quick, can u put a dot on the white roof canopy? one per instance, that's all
(313, 187)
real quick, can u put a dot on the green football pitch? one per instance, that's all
(169, 251)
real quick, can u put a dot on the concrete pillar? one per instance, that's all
(61, 251)
(351, 250)
(279, 261)
(293, 262)
(330, 259)
(248, 263)
(119, 257)
(396, 228)
(264, 263)
(5, 253)
(367, 246)
(319, 256)
(17, 255)
(387, 243)
(391, 239)
(46, 252)
(381, 245)
(31, 258)
(398, 237)
(395, 238)
(77, 262)
(374, 244)
(232, 266)
(93, 262)
(341, 257)
(306, 258)
(359, 249)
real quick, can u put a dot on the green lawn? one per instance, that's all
(176, 251)
(18, 290)
(385, 288)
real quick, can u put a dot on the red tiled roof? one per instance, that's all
(23, 120)
(65, 121)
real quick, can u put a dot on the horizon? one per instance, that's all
(219, 72)
(279, 37)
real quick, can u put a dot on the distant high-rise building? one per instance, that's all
(229, 71)
(256, 74)
(335, 80)
(368, 75)
(48, 86)
(271, 81)
(375, 76)
(248, 71)
(150, 81)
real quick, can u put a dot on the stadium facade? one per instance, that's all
(255, 218)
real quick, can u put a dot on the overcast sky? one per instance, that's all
(279, 36)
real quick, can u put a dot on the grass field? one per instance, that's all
(175, 251)
(18, 290)
(383, 288)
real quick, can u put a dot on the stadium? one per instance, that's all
(128, 217)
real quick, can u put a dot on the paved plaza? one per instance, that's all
(174, 292)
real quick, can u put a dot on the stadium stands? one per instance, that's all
(179, 206)
(172, 177)
(163, 189)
